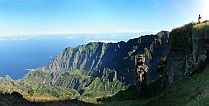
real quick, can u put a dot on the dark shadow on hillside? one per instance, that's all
(131, 93)
(128, 94)
(16, 99)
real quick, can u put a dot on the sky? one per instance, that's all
(30, 17)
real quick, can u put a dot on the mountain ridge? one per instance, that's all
(110, 65)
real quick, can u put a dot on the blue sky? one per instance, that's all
(23, 17)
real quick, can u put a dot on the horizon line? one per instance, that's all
(35, 34)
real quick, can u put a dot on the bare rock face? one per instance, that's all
(188, 51)
(141, 73)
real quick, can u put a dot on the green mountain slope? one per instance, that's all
(36, 91)
(98, 69)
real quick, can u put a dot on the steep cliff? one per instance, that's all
(79, 67)
(188, 51)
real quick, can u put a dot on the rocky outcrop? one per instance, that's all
(93, 58)
(188, 51)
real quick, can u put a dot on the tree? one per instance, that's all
(161, 66)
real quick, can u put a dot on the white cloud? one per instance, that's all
(71, 37)
(12, 39)
(105, 41)
(22, 39)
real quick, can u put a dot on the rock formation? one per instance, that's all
(141, 72)
(188, 51)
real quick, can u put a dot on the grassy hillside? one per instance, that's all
(193, 91)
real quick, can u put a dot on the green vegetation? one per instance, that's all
(201, 31)
(102, 87)
(187, 91)
(36, 91)
(202, 26)
(192, 91)
(179, 38)
(161, 66)
(87, 87)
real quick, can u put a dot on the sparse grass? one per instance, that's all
(179, 38)
(192, 91)
(184, 92)
(201, 26)
(126, 103)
